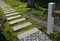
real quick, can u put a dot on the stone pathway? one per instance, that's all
(16, 21)
(10, 18)
(33, 35)
(22, 26)
(27, 33)
(12, 15)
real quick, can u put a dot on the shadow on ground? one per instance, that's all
(2, 38)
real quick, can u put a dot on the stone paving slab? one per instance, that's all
(22, 26)
(43, 37)
(13, 17)
(6, 11)
(27, 33)
(16, 21)
(37, 36)
(12, 14)
(5, 7)
(9, 11)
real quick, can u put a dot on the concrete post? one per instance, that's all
(37, 39)
(50, 20)
(25, 38)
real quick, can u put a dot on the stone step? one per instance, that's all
(12, 14)
(22, 26)
(6, 8)
(9, 11)
(27, 33)
(16, 21)
(13, 17)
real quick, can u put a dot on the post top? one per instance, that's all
(51, 3)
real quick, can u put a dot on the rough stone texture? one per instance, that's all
(33, 35)
(22, 26)
(13, 17)
(12, 14)
(27, 33)
(16, 21)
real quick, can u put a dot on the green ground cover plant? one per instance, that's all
(21, 7)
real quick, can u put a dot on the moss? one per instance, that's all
(55, 36)
(1, 13)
